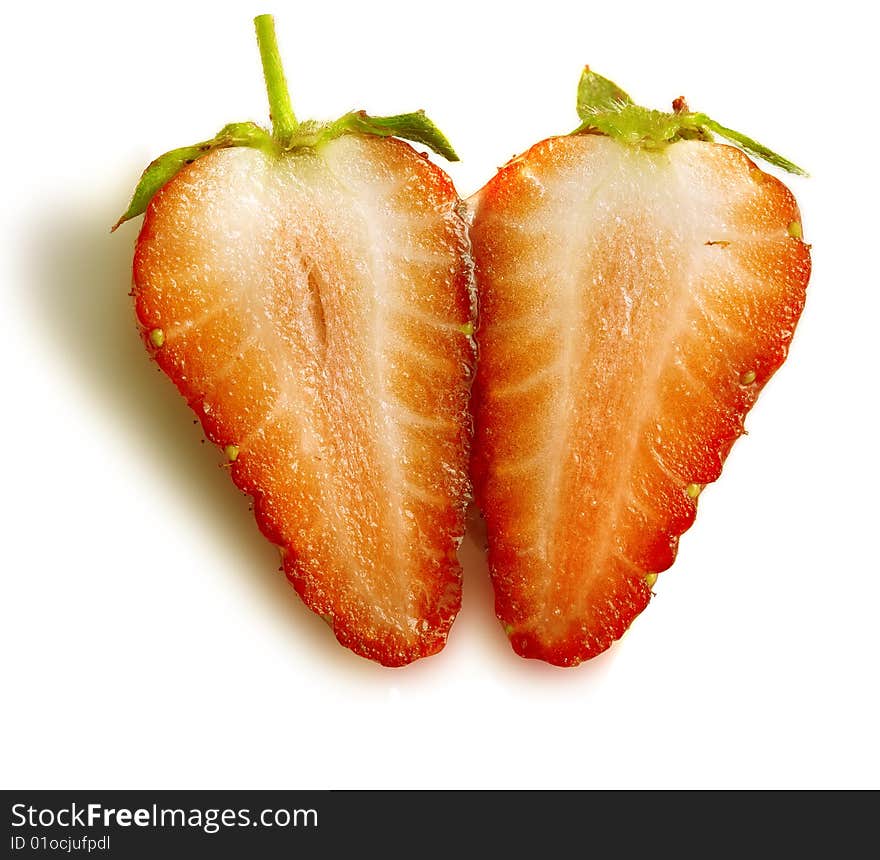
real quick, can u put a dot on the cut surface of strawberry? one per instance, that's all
(634, 300)
(313, 303)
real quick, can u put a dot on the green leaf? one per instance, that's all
(410, 126)
(606, 109)
(598, 95)
(752, 147)
(167, 166)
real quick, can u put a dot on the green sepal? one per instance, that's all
(639, 126)
(167, 166)
(410, 126)
(752, 147)
(309, 135)
(606, 109)
(597, 95)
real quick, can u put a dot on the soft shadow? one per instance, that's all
(78, 292)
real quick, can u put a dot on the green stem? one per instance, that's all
(284, 123)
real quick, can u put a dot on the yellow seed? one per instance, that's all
(796, 230)
(748, 377)
(467, 329)
(693, 490)
(157, 337)
(231, 452)
(508, 629)
(650, 579)
(328, 619)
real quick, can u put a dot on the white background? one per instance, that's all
(147, 639)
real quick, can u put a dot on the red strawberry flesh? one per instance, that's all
(313, 309)
(633, 304)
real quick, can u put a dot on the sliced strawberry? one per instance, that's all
(312, 311)
(310, 294)
(634, 300)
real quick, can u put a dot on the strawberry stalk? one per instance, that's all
(284, 122)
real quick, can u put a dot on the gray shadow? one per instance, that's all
(78, 292)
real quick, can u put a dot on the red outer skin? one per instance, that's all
(597, 612)
(427, 185)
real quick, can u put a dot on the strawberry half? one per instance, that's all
(638, 285)
(309, 292)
